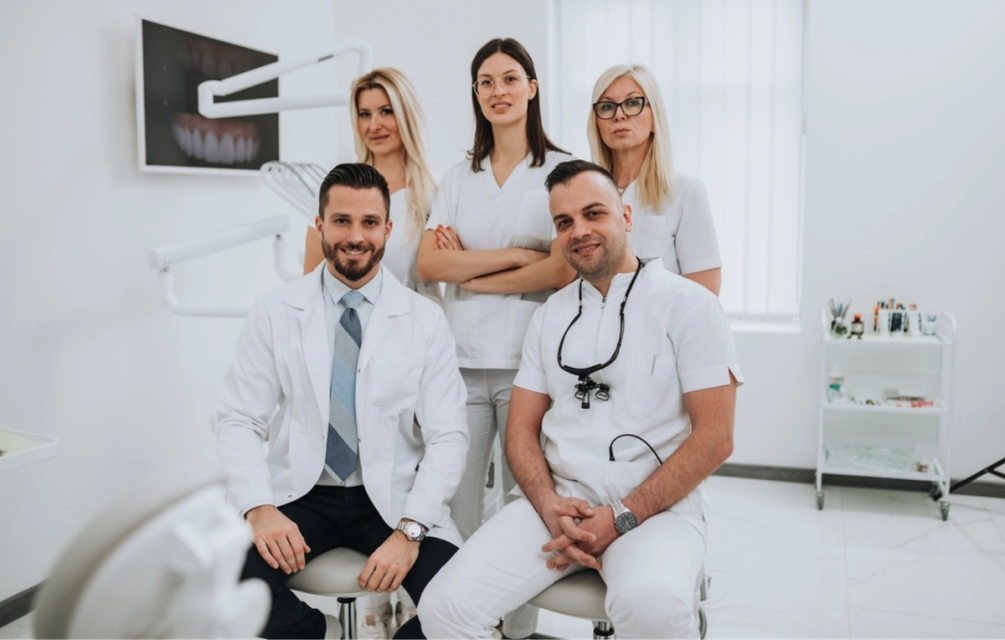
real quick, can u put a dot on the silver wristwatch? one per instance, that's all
(624, 519)
(412, 530)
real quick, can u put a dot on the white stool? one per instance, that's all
(582, 595)
(334, 573)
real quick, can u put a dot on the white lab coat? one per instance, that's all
(278, 389)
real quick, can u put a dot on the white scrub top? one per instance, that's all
(402, 251)
(677, 340)
(489, 328)
(682, 235)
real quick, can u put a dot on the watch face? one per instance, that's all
(626, 522)
(413, 531)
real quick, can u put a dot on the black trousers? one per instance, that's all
(330, 517)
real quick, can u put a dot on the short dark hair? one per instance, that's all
(537, 140)
(354, 175)
(566, 171)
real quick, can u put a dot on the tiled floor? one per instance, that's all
(872, 564)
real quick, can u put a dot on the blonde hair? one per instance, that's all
(419, 181)
(655, 179)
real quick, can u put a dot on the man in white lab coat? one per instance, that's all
(352, 380)
(630, 374)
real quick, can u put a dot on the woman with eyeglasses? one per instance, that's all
(490, 239)
(630, 137)
(388, 131)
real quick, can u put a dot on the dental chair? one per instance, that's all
(163, 561)
(582, 595)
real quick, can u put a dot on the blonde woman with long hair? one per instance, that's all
(630, 137)
(388, 132)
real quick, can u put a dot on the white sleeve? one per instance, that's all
(444, 207)
(440, 409)
(703, 342)
(696, 244)
(251, 391)
(531, 375)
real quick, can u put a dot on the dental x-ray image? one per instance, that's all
(173, 136)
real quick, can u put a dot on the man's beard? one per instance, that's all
(349, 270)
(599, 269)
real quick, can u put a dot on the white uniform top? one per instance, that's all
(683, 234)
(402, 251)
(489, 328)
(677, 340)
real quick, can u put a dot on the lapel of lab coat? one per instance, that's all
(391, 302)
(307, 295)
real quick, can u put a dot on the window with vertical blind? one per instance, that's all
(731, 75)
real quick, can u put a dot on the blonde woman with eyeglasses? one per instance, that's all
(630, 137)
(388, 132)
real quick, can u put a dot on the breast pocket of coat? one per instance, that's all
(534, 228)
(397, 386)
(656, 388)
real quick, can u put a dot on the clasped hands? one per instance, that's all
(282, 546)
(580, 532)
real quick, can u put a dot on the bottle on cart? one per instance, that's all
(857, 327)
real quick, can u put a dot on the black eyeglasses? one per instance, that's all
(605, 109)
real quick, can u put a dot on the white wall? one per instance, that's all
(904, 162)
(904, 155)
(88, 350)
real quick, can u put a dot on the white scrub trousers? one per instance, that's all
(652, 573)
(488, 409)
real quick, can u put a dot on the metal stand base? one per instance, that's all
(992, 470)
(347, 617)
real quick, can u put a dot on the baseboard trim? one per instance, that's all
(18, 605)
(808, 476)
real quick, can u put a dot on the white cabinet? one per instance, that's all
(887, 439)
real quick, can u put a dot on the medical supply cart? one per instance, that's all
(861, 431)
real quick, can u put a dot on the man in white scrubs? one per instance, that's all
(631, 376)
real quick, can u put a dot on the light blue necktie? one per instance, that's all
(341, 453)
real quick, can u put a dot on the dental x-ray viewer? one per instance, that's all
(368, 444)
(630, 374)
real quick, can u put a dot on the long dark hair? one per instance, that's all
(537, 139)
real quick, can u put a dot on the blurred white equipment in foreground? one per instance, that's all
(163, 561)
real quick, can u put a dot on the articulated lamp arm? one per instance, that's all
(211, 88)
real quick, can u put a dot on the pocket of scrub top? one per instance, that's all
(621, 478)
(655, 385)
(534, 227)
(652, 234)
